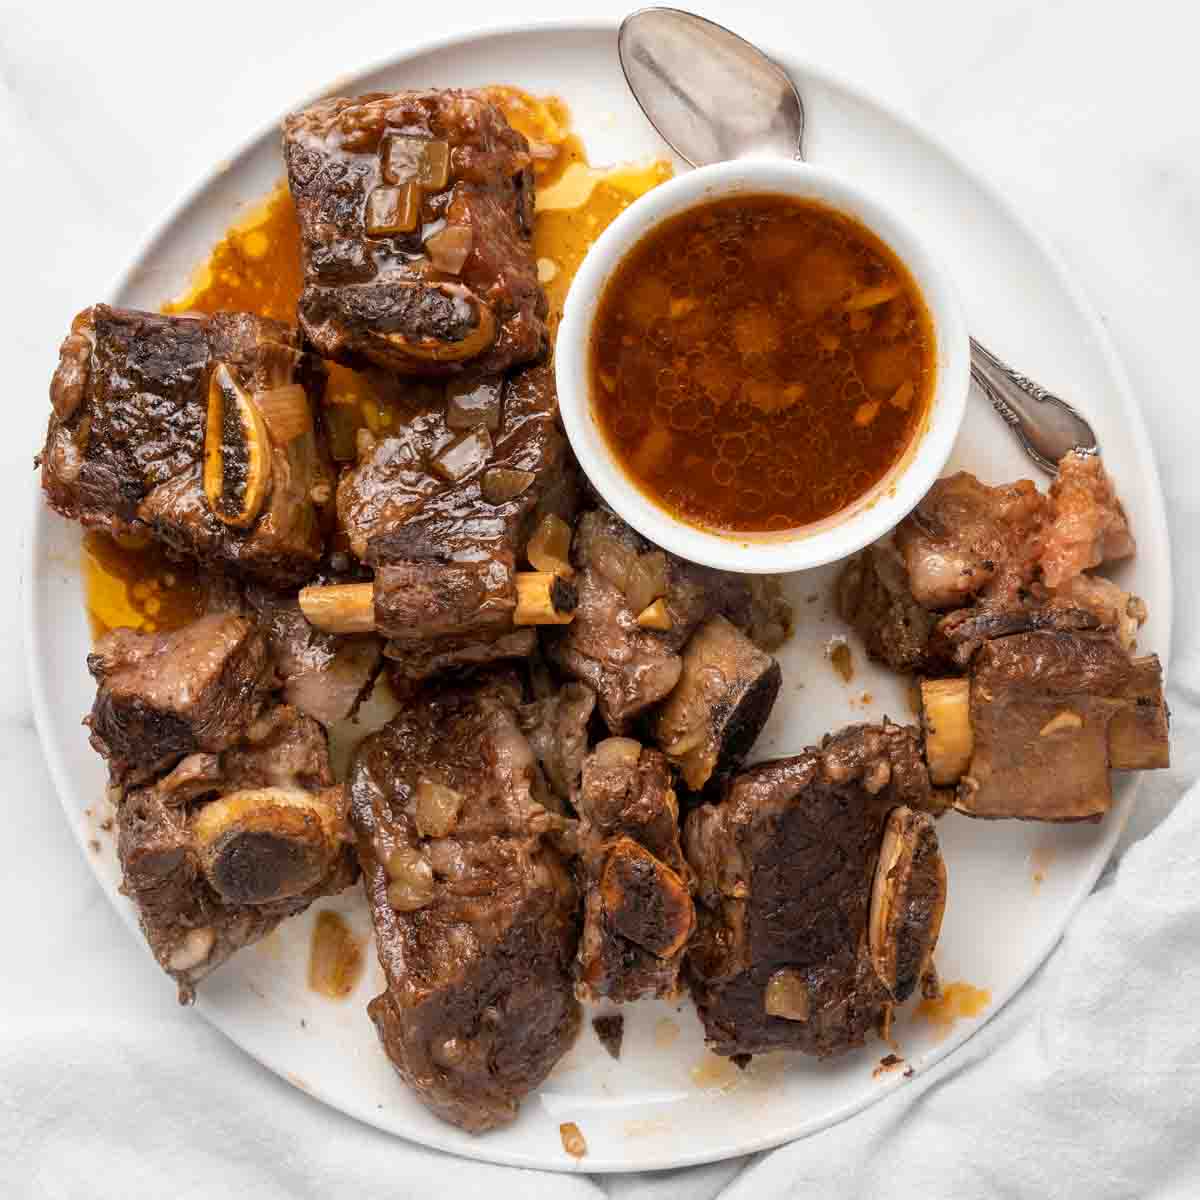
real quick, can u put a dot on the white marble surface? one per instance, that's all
(1084, 113)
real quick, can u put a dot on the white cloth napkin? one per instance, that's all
(1086, 1085)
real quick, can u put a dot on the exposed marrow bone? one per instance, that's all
(473, 322)
(237, 452)
(946, 717)
(908, 901)
(340, 607)
(646, 902)
(268, 843)
(719, 706)
(542, 599)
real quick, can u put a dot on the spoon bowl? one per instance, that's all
(711, 95)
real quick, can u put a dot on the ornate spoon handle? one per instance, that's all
(1046, 425)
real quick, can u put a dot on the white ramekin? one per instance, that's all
(869, 517)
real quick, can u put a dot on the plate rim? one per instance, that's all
(1138, 432)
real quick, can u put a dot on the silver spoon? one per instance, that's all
(713, 96)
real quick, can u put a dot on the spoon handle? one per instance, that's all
(1045, 424)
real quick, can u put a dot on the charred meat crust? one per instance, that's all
(444, 557)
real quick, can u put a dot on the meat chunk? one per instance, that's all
(610, 1029)
(1043, 717)
(638, 911)
(725, 694)
(324, 675)
(967, 540)
(473, 906)
(987, 554)
(163, 695)
(161, 424)
(222, 848)
(445, 551)
(785, 956)
(557, 728)
(1088, 526)
(629, 665)
(874, 597)
(416, 221)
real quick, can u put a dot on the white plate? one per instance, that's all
(664, 1105)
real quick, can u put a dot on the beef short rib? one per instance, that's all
(416, 222)
(219, 850)
(163, 695)
(474, 908)
(128, 445)
(1042, 717)
(794, 950)
(445, 549)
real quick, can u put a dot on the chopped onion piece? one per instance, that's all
(647, 580)
(617, 752)
(656, 616)
(464, 455)
(411, 878)
(786, 995)
(392, 210)
(550, 547)
(437, 808)
(474, 402)
(416, 160)
(450, 248)
(871, 297)
(433, 166)
(285, 410)
(500, 485)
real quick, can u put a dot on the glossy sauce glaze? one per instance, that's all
(759, 363)
(255, 267)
